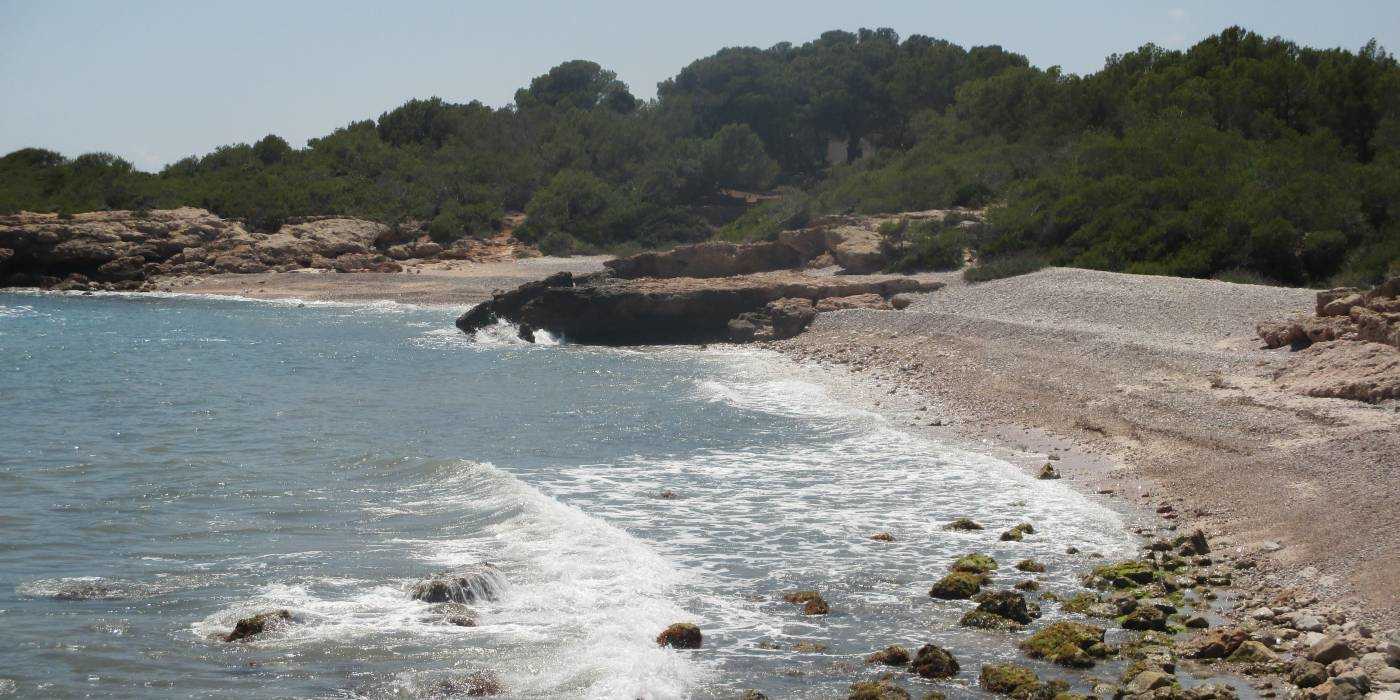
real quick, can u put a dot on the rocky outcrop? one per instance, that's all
(682, 635)
(1345, 313)
(601, 309)
(120, 249)
(465, 585)
(1350, 350)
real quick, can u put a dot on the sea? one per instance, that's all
(170, 464)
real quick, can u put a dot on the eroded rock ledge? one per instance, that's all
(1349, 350)
(604, 310)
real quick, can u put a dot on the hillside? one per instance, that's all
(1242, 156)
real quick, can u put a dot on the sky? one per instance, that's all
(154, 81)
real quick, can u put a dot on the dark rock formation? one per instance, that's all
(600, 309)
(933, 661)
(681, 635)
(257, 624)
(709, 259)
(472, 583)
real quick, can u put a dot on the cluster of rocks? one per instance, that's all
(604, 309)
(121, 249)
(851, 242)
(1350, 349)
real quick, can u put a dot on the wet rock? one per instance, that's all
(933, 661)
(882, 689)
(1031, 566)
(1007, 679)
(893, 655)
(1307, 674)
(1215, 644)
(1080, 603)
(974, 564)
(1007, 604)
(1029, 584)
(882, 537)
(963, 524)
(479, 684)
(981, 619)
(1125, 574)
(1066, 643)
(1253, 652)
(957, 586)
(809, 647)
(257, 624)
(468, 584)
(1196, 622)
(1197, 544)
(1352, 684)
(667, 495)
(1330, 649)
(811, 601)
(1048, 472)
(752, 694)
(682, 635)
(1146, 617)
(1148, 681)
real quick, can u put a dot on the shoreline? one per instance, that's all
(1107, 448)
(922, 370)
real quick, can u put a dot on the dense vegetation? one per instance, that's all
(1240, 156)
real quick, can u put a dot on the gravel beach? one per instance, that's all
(1153, 388)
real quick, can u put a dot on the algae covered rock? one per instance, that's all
(682, 635)
(1018, 532)
(893, 655)
(882, 689)
(974, 564)
(1007, 679)
(1081, 603)
(965, 524)
(257, 624)
(1066, 643)
(812, 602)
(958, 585)
(1008, 604)
(1030, 566)
(1253, 652)
(1145, 617)
(1124, 574)
(933, 661)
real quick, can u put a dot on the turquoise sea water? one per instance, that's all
(170, 464)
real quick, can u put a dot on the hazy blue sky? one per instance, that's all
(156, 81)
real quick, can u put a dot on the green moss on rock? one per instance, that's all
(974, 564)
(1065, 643)
(957, 586)
(1006, 679)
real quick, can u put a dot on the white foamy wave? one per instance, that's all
(504, 334)
(18, 311)
(578, 612)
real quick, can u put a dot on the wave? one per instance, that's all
(578, 616)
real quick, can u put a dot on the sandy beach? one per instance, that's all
(1150, 392)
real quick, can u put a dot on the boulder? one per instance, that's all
(1030, 566)
(856, 249)
(958, 585)
(933, 661)
(882, 689)
(893, 655)
(962, 524)
(811, 601)
(257, 624)
(1066, 643)
(1218, 643)
(1008, 604)
(682, 635)
(1008, 679)
(1330, 649)
(1251, 652)
(472, 583)
(479, 684)
(974, 563)
(1307, 674)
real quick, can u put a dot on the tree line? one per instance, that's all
(1241, 155)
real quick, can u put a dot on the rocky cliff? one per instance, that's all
(603, 309)
(120, 249)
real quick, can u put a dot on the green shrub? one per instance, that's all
(1007, 266)
(558, 243)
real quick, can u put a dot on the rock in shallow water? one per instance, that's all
(477, 582)
(257, 624)
(682, 635)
